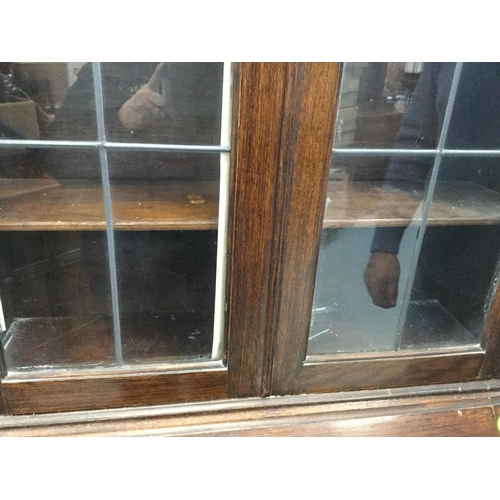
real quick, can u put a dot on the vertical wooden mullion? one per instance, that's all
(289, 130)
(490, 340)
(255, 151)
(306, 148)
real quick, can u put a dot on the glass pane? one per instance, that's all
(409, 260)
(364, 212)
(165, 212)
(374, 99)
(65, 300)
(476, 115)
(32, 97)
(168, 103)
(456, 273)
(54, 295)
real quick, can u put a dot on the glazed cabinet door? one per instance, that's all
(131, 230)
(390, 228)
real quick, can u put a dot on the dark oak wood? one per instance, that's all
(255, 153)
(291, 116)
(364, 203)
(490, 340)
(305, 157)
(113, 390)
(470, 414)
(460, 423)
(465, 391)
(387, 372)
(78, 205)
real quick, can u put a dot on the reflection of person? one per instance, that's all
(146, 106)
(475, 125)
(188, 112)
(157, 270)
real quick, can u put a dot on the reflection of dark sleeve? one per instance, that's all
(195, 99)
(75, 119)
(419, 130)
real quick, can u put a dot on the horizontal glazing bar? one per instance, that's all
(126, 146)
(471, 152)
(414, 152)
(383, 152)
(186, 148)
(178, 148)
(16, 143)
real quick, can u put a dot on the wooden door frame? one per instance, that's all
(257, 115)
(282, 134)
(305, 156)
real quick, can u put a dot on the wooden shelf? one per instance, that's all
(364, 204)
(428, 325)
(147, 338)
(44, 205)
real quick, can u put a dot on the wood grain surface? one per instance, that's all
(255, 152)
(77, 206)
(39, 204)
(397, 371)
(364, 203)
(46, 395)
(305, 161)
(438, 415)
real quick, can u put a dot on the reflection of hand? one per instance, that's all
(145, 107)
(381, 279)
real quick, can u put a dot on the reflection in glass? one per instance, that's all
(57, 305)
(54, 294)
(375, 98)
(476, 116)
(385, 280)
(456, 271)
(36, 102)
(344, 318)
(166, 266)
(169, 103)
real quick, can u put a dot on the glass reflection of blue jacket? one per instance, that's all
(475, 124)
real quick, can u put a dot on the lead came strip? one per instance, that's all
(101, 133)
(220, 277)
(427, 205)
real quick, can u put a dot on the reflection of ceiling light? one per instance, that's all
(414, 68)
(365, 421)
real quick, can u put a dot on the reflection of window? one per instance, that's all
(373, 99)
(413, 67)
